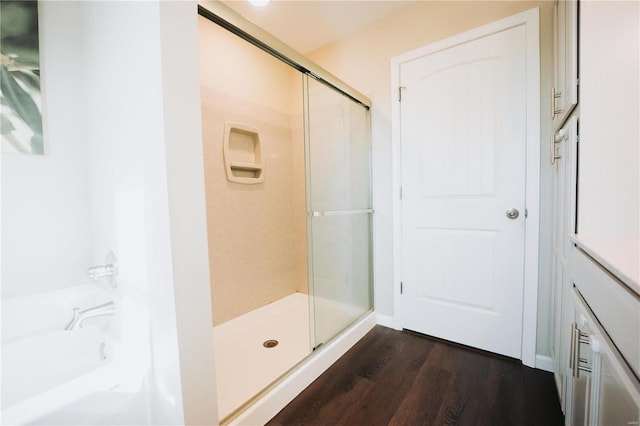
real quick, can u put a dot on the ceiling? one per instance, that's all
(307, 25)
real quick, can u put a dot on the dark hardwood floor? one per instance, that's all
(401, 378)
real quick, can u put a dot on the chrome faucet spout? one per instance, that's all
(79, 316)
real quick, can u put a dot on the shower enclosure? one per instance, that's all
(289, 209)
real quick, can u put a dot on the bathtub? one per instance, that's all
(53, 376)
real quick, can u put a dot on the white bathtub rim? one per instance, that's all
(69, 355)
(101, 379)
(24, 317)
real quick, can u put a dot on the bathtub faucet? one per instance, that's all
(79, 316)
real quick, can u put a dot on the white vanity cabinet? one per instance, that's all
(604, 389)
(595, 338)
(564, 93)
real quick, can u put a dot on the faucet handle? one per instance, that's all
(109, 270)
(96, 272)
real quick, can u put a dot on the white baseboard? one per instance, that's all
(384, 320)
(284, 392)
(544, 362)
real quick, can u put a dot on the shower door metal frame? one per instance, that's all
(227, 18)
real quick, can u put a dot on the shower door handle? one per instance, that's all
(318, 213)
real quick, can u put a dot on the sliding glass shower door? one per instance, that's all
(339, 209)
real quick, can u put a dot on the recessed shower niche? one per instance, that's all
(242, 154)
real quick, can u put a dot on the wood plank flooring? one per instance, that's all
(401, 378)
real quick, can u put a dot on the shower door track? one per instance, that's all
(230, 20)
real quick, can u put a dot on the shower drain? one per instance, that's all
(270, 343)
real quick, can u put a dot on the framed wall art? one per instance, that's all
(20, 95)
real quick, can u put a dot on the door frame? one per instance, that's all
(531, 21)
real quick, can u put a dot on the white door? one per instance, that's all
(463, 142)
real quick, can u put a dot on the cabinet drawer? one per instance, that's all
(614, 305)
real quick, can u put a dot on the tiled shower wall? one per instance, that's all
(256, 232)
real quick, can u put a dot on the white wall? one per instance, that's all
(609, 184)
(46, 235)
(124, 119)
(363, 59)
(185, 176)
(123, 173)
(147, 196)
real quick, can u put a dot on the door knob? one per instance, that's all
(512, 213)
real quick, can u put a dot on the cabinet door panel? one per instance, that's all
(580, 356)
(609, 393)
(619, 399)
(564, 214)
(564, 95)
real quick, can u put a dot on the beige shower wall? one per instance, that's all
(256, 232)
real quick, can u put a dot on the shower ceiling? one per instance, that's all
(307, 25)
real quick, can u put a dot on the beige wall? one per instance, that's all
(257, 233)
(363, 60)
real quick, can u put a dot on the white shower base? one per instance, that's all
(244, 366)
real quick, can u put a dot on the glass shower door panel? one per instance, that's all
(340, 209)
(341, 273)
(339, 151)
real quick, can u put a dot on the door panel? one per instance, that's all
(470, 286)
(464, 165)
(463, 135)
